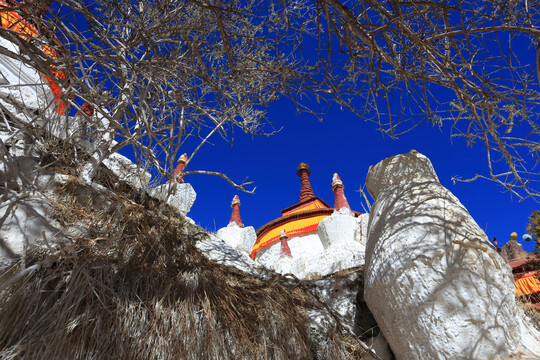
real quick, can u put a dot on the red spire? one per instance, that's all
(306, 192)
(235, 216)
(339, 196)
(285, 250)
(87, 109)
(179, 168)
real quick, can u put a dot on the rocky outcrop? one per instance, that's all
(127, 171)
(343, 292)
(434, 283)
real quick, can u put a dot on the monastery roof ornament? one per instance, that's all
(180, 164)
(306, 192)
(285, 250)
(340, 201)
(235, 215)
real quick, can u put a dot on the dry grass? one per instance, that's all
(135, 287)
(533, 314)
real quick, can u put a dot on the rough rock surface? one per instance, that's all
(222, 253)
(126, 170)
(241, 239)
(182, 198)
(434, 283)
(342, 292)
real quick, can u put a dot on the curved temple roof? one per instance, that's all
(302, 218)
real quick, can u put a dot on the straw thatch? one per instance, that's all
(135, 287)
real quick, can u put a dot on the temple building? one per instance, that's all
(298, 220)
(311, 238)
(28, 89)
(524, 269)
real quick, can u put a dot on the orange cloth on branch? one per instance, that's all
(527, 284)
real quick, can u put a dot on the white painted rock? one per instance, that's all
(336, 258)
(26, 224)
(434, 283)
(241, 239)
(217, 250)
(182, 199)
(22, 84)
(363, 221)
(129, 172)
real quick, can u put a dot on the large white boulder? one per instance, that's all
(434, 283)
(25, 222)
(181, 197)
(239, 238)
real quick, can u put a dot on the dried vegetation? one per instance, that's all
(134, 286)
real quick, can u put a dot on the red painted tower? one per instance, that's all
(179, 168)
(285, 250)
(340, 201)
(306, 192)
(235, 216)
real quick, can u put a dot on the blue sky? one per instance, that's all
(344, 144)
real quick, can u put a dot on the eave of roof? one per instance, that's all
(518, 263)
(294, 216)
(291, 208)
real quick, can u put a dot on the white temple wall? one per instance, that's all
(26, 88)
(306, 246)
(338, 229)
(240, 239)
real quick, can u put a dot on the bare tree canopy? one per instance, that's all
(177, 72)
(469, 66)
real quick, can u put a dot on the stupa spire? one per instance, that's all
(179, 168)
(235, 216)
(285, 250)
(340, 201)
(306, 192)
